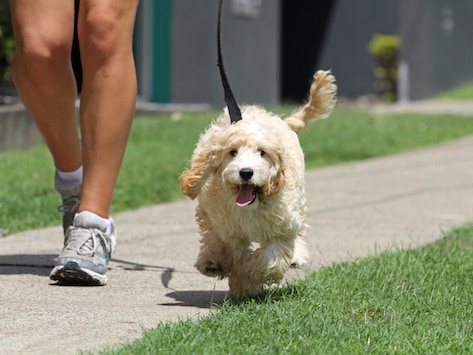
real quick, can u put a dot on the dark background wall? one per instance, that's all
(345, 48)
(271, 54)
(436, 45)
(250, 50)
(304, 29)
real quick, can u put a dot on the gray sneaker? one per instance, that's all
(70, 194)
(87, 249)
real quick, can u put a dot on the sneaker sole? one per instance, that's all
(72, 274)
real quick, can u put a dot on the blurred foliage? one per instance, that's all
(7, 44)
(462, 92)
(385, 50)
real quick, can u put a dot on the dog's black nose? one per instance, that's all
(246, 173)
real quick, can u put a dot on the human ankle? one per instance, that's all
(69, 176)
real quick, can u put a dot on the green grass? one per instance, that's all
(399, 302)
(463, 92)
(160, 148)
(352, 134)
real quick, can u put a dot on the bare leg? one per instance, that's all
(108, 96)
(43, 74)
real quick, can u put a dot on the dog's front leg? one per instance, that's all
(301, 252)
(269, 263)
(241, 285)
(215, 257)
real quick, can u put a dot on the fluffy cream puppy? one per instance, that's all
(248, 177)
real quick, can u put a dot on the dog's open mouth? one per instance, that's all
(246, 194)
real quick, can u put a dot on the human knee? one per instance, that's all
(104, 34)
(38, 57)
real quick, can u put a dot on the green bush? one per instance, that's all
(385, 49)
(7, 44)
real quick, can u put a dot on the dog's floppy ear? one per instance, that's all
(206, 158)
(194, 178)
(277, 175)
(276, 183)
(202, 166)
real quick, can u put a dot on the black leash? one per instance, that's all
(233, 109)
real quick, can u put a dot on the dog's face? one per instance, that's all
(249, 160)
(245, 160)
(249, 168)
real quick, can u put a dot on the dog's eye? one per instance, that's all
(233, 153)
(262, 152)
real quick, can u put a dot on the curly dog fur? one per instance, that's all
(249, 181)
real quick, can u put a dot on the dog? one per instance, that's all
(248, 177)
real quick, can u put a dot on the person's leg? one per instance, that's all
(108, 98)
(43, 76)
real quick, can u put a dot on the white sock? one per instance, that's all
(109, 222)
(92, 219)
(70, 176)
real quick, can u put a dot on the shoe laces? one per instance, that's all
(69, 204)
(85, 241)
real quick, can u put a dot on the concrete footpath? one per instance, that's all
(355, 209)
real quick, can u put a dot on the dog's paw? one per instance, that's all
(241, 287)
(210, 268)
(299, 261)
(301, 253)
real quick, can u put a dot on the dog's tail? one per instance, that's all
(321, 101)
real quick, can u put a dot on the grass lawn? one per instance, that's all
(463, 92)
(400, 302)
(160, 149)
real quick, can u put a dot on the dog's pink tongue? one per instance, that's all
(246, 195)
